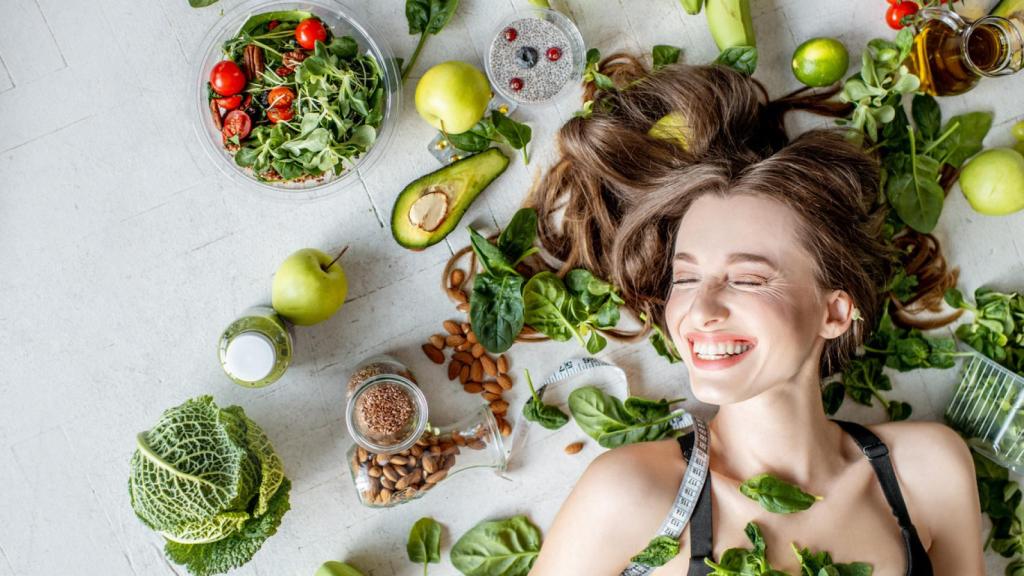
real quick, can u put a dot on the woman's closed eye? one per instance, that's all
(747, 281)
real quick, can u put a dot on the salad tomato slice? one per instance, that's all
(309, 31)
(280, 97)
(236, 123)
(276, 115)
(229, 102)
(226, 78)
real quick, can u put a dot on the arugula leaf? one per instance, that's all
(498, 548)
(424, 544)
(743, 59)
(496, 312)
(658, 553)
(535, 410)
(664, 55)
(777, 496)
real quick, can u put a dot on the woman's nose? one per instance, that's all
(707, 307)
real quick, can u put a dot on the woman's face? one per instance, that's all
(744, 309)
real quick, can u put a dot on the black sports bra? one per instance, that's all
(877, 453)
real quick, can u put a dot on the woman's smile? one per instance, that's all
(718, 351)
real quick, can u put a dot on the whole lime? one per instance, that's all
(820, 61)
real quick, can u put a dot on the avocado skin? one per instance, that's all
(468, 177)
(1007, 7)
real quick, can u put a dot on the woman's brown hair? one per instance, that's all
(613, 200)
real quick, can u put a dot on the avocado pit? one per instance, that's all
(429, 211)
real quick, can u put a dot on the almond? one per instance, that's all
(464, 347)
(452, 327)
(464, 374)
(437, 341)
(464, 307)
(490, 397)
(504, 381)
(465, 328)
(457, 278)
(460, 296)
(399, 461)
(493, 388)
(375, 472)
(453, 369)
(387, 483)
(429, 464)
(409, 479)
(499, 407)
(471, 336)
(503, 364)
(437, 477)
(459, 439)
(390, 473)
(489, 366)
(362, 453)
(476, 371)
(475, 444)
(382, 459)
(435, 354)
(473, 388)
(574, 448)
(478, 350)
(464, 357)
(454, 340)
(385, 496)
(506, 428)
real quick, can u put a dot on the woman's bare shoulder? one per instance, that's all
(638, 467)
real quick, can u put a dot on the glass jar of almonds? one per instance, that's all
(383, 480)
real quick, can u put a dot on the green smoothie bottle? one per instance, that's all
(256, 349)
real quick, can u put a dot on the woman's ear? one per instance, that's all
(839, 314)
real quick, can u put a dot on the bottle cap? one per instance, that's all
(250, 356)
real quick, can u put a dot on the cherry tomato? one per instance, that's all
(272, 24)
(236, 123)
(229, 102)
(895, 14)
(226, 78)
(309, 31)
(276, 115)
(280, 97)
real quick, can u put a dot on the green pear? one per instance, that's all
(309, 287)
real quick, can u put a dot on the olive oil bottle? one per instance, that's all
(950, 56)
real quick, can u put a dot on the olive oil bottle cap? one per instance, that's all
(250, 356)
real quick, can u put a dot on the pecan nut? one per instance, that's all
(284, 71)
(293, 58)
(215, 114)
(252, 61)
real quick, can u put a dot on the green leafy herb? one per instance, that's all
(564, 312)
(658, 552)
(883, 79)
(740, 58)
(591, 72)
(997, 326)
(498, 548)
(424, 545)
(754, 562)
(497, 128)
(426, 17)
(535, 410)
(821, 564)
(209, 481)
(777, 496)
(515, 133)
(606, 419)
(973, 127)
(201, 3)
(496, 313)
(832, 397)
(664, 55)
(516, 240)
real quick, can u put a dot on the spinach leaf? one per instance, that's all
(496, 312)
(535, 410)
(912, 188)
(491, 257)
(515, 133)
(777, 496)
(664, 55)
(927, 115)
(821, 564)
(832, 397)
(974, 126)
(740, 58)
(426, 17)
(591, 72)
(658, 552)
(516, 240)
(743, 561)
(544, 298)
(476, 139)
(596, 342)
(498, 548)
(606, 419)
(201, 3)
(424, 545)
(898, 410)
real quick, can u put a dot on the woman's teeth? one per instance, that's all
(718, 350)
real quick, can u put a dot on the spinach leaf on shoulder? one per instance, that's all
(776, 495)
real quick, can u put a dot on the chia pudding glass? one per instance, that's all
(386, 411)
(534, 55)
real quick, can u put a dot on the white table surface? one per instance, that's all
(124, 252)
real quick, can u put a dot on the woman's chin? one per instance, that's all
(716, 393)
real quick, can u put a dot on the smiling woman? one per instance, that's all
(762, 259)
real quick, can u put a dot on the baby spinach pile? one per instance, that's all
(997, 330)
(615, 423)
(754, 562)
(339, 106)
(208, 480)
(503, 300)
(1001, 500)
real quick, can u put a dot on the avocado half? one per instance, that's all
(431, 206)
(1005, 8)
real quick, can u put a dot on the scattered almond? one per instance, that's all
(489, 366)
(463, 357)
(460, 296)
(435, 354)
(457, 278)
(493, 387)
(574, 448)
(476, 371)
(453, 369)
(490, 397)
(464, 307)
(473, 388)
(506, 428)
(452, 327)
(504, 381)
(471, 336)
(499, 407)
(478, 350)
(503, 364)
(454, 340)
(465, 328)
(437, 341)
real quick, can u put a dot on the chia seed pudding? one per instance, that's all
(532, 58)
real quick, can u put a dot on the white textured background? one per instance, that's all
(124, 253)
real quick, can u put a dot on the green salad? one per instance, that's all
(294, 102)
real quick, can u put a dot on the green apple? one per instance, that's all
(993, 182)
(453, 96)
(332, 568)
(308, 288)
